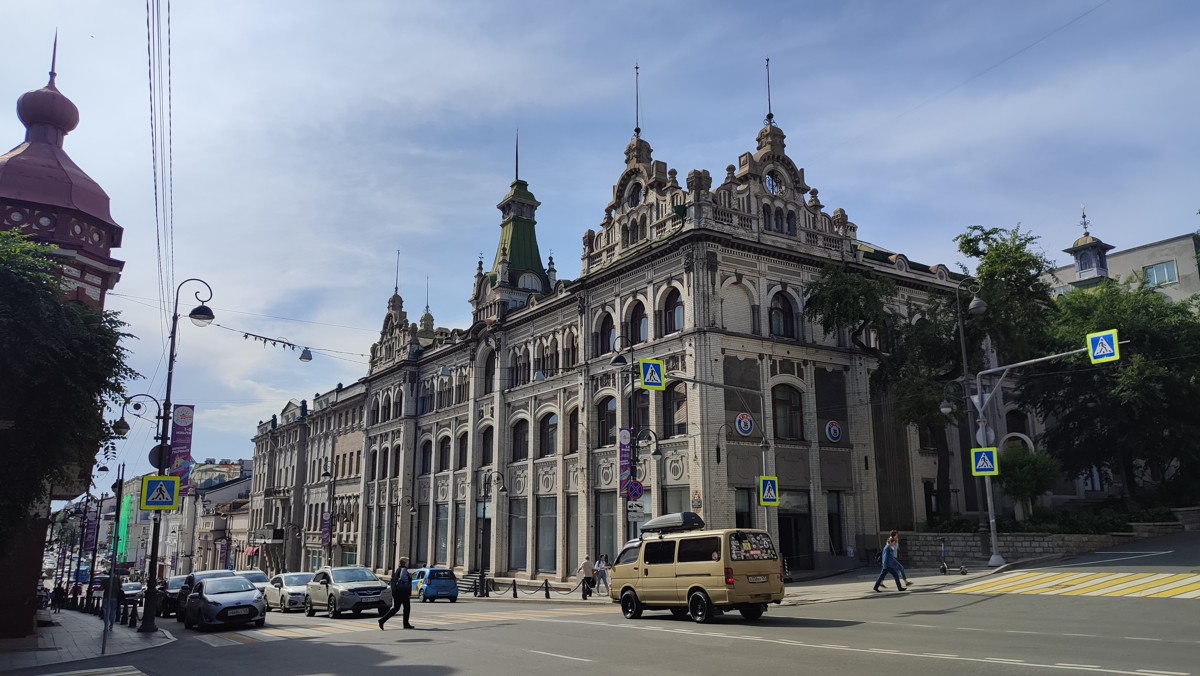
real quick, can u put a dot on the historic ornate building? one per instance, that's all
(496, 445)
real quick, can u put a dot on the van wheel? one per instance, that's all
(699, 607)
(679, 612)
(752, 612)
(631, 607)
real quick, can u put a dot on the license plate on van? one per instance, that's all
(757, 578)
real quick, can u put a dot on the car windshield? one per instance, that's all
(441, 575)
(354, 575)
(254, 576)
(176, 582)
(228, 586)
(297, 579)
(209, 574)
(131, 586)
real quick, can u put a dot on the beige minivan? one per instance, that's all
(678, 566)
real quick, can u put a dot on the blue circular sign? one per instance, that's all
(744, 424)
(833, 431)
(636, 490)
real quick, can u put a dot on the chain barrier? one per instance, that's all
(571, 590)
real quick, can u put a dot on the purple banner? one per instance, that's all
(326, 529)
(223, 553)
(623, 438)
(91, 530)
(181, 444)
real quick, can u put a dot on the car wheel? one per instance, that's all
(260, 623)
(187, 624)
(631, 607)
(699, 607)
(332, 609)
(752, 612)
(357, 613)
(180, 615)
(679, 612)
(453, 599)
(308, 608)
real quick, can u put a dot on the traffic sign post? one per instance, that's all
(160, 493)
(985, 462)
(652, 371)
(768, 491)
(1103, 346)
(636, 490)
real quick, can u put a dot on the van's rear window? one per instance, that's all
(751, 547)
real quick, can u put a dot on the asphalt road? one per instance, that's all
(901, 633)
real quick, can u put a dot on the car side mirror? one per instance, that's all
(279, 585)
(325, 582)
(193, 596)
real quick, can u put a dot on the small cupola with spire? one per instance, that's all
(1090, 254)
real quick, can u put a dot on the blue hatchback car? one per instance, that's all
(431, 584)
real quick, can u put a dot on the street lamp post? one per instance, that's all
(327, 516)
(488, 477)
(201, 315)
(976, 307)
(632, 433)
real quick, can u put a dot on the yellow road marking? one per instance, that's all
(1031, 583)
(1147, 585)
(1004, 581)
(1062, 584)
(1082, 584)
(1130, 578)
(1178, 591)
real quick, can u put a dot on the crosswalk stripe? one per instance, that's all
(1147, 585)
(1192, 591)
(1107, 591)
(1008, 589)
(1051, 583)
(1131, 578)
(980, 586)
(1185, 581)
(1097, 579)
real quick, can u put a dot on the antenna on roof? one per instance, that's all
(54, 57)
(770, 121)
(427, 293)
(637, 101)
(1083, 219)
(397, 289)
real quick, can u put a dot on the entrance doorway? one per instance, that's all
(796, 540)
(484, 544)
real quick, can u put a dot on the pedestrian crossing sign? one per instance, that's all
(160, 492)
(984, 462)
(652, 374)
(768, 491)
(1103, 347)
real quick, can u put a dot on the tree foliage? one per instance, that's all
(60, 362)
(1026, 474)
(1135, 417)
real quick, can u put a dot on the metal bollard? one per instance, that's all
(133, 616)
(124, 616)
(514, 589)
(546, 586)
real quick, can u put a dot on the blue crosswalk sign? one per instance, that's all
(768, 491)
(984, 462)
(160, 492)
(652, 374)
(1103, 346)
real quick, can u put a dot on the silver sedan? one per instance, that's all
(223, 601)
(286, 591)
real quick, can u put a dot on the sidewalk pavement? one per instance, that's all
(73, 636)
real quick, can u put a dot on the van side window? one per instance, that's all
(628, 555)
(751, 547)
(660, 552)
(699, 549)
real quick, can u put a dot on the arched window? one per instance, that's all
(766, 217)
(1086, 260)
(461, 462)
(639, 324)
(396, 458)
(548, 435)
(675, 410)
(487, 445)
(608, 335)
(573, 431)
(375, 411)
(783, 321)
(489, 373)
(520, 441)
(427, 457)
(791, 222)
(635, 195)
(398, 405)
(443, 456)
(387, 407)
(641, 408)
(778, 220)
(606, 422)
(371, 467)
(789, 414)
(383, 464)
(673, 312)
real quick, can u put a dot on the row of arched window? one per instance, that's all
(637, 328)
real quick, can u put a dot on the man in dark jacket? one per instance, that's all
(401, 593)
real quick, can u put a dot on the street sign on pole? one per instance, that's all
(652, 374)
(768, 491)
(160, 492)
(985, 462)
(1103, 346)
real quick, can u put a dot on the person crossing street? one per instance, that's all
(401, 594)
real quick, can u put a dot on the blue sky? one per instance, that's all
(310, 143)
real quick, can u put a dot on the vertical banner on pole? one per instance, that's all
(623, 437)
(223, 553)
(326, 529)
(181, 444)
(93, 528)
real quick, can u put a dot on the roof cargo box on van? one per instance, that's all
(674, 523)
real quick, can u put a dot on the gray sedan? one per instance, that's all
(223, 601)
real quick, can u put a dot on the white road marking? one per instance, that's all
(940, 655)
(1018, 631)
(565, 657)
(1003, 659)
(1135, 555)
(1083, 635)
(1140, 638)
(969, 629)
(1164, 673)
(1081, 666)
(216, 641)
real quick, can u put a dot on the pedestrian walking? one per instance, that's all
(601, 569)
(890, 566)
(895, 535)
(58, 598)
(587, 573)
(401, 594)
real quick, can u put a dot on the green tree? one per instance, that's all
(1026, 474)
(1135, 417)
(918, 350)
(60, 362)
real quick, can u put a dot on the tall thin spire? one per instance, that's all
(637, 100)
(54, 58)
(396, 290)
(427, 293)
(517, 157)
(770, 121)
(1083, 219)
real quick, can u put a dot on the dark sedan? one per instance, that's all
(168, 595)
(222, 601)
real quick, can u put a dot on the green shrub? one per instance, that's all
(955, 525)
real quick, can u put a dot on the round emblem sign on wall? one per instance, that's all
(833, 431)
(744, 423)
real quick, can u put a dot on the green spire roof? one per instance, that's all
(518, 236)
